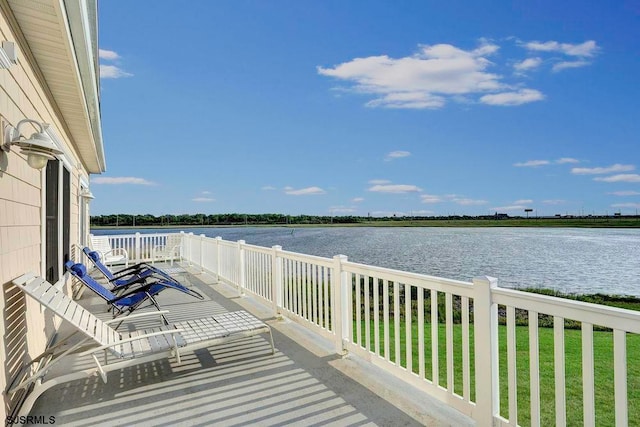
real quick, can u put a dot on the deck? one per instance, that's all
(241, 383)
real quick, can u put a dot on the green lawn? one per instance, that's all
(603, 355)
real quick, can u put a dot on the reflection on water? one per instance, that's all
(569, 260)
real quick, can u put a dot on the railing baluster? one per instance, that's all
(396, 321)
(385, 321)
(534, 368)
(324, 280)
(376, 315)
(358, 309)
(407, 325)
(435, 363)
(421, 357)
(466, 361)
(511, 365)
(367, 313)
(304, 277)
(588, 383)
(620, 376)
(449, 339)
(558, 360)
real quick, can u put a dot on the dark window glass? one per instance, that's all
(52, 270)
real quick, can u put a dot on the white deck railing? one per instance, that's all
(443, 336)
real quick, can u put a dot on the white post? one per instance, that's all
(190, 240)
(202, 237)
(241, 267)
(339, 306)
(137, 247)
(485, 314)
(217, 257)
(276, 279)
(182, 244)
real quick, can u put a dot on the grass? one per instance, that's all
(603, 371)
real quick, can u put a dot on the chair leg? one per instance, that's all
(155, 303)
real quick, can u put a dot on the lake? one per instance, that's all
(572, 260)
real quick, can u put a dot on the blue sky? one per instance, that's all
(368, 107)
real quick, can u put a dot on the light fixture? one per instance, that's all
(39, 148)
(8, 54)
(87, 194)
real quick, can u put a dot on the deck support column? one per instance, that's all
(241, 267)
(340, 295)
(276, 279)
(485, 324)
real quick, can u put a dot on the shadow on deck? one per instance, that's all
(241, 383)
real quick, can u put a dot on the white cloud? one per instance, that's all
(470, 202)
(309, 191)
(569, 64)
(527, 64)
(396, 155)
(268, 188)
(413, 100)
(109, 55)
(625, 177)
(565, 160)
(121, 180)
(357, 199)
(205, 192)
(532, 163)
(626, 193)
(578, 52)
(427, 79)
(112, 72)
(379, 181)
(554, 202)
(522, 96)
(523, 202)
(395, 188)
(430, 198)
(586, 49)
(599, 171)
(203, 199)
(341, 209)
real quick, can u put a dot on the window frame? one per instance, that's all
(62, 222)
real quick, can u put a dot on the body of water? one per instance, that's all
(568, 260)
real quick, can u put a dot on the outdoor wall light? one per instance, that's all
(39, 148)
(87, 194)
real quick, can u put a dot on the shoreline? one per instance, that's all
(611, 222)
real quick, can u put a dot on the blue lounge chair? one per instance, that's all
(132, 297)
(129, 275)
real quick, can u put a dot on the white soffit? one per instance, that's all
(45, 27)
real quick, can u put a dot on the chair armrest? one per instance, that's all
(118, 250)
(126, 340)
(137, 315)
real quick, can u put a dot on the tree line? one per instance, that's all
(148, 220)
(129, 220)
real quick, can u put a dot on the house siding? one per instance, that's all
(26, 329)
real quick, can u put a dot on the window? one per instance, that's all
(57, 219)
